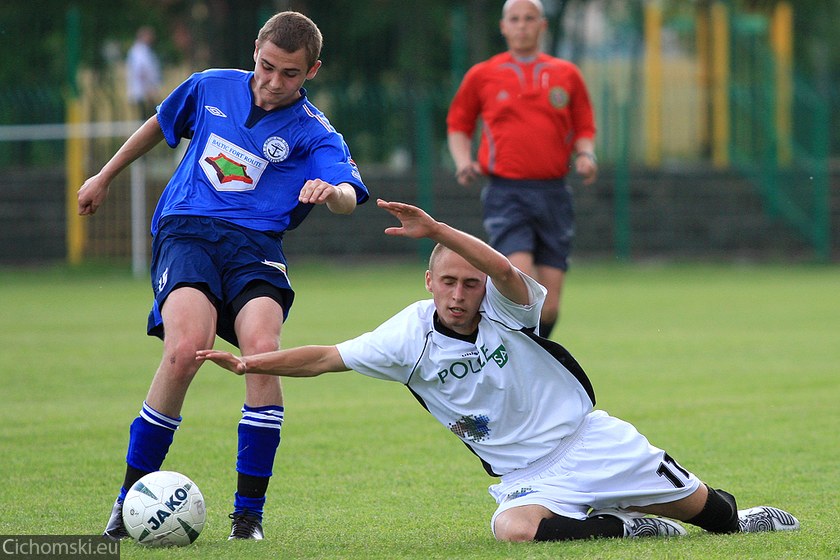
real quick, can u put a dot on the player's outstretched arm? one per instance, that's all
(416, 224)
(94, 191)
(305, 361)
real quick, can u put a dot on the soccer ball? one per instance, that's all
(164, 508)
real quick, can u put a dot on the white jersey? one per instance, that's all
(510, 396)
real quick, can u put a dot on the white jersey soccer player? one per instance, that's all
(520, 402)
(469, 383)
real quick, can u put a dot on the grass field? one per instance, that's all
(732, 369)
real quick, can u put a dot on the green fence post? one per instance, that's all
(423, 163)
(459, 48)
(621, 203)
(822, 216)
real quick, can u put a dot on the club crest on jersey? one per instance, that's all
(276, 149)
(230, 167)
(558, 97)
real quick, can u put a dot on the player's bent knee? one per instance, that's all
(508, 529)
(514, 536)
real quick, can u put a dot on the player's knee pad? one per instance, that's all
(719, 515)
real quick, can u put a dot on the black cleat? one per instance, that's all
(245, 526)
(115, 530)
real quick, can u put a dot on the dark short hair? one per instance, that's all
(292, 31)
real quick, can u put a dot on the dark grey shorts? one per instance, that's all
(531, 216)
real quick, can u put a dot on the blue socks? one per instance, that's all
(259, 437)
(150, 436)
(152, 432)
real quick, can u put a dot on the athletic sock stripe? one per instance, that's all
(152, 416)
(263, 417)
(267, 414)
(270, 409)
(262, 420)
(270, 426)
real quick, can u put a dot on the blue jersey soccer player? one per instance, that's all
(260, 157)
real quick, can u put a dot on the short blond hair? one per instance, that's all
(434, 257)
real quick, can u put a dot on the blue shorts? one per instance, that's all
(229, 263)
(530, 216)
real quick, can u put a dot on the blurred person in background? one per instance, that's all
(537, 122)
(143, 74)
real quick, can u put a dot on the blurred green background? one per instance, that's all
(725, 110)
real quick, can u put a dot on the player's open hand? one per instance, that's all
(224, 359)
(415, 222)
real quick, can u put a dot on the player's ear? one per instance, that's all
(314, 70)
(256, 49)
(429, 281)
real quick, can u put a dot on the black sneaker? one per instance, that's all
(115, 529)
(245, 525)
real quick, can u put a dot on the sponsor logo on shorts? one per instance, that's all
(161, 283)
(519, 493)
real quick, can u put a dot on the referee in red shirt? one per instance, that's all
(537, 122)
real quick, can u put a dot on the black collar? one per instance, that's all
(446, 331)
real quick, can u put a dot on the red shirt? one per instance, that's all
(532, 113)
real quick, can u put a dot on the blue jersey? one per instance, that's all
(243, 164)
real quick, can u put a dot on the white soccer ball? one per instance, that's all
(164, 508)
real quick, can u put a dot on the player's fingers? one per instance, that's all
(394, 231)
(87, 209)
(316, 192)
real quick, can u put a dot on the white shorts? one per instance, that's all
(606, 463)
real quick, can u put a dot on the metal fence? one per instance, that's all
(655, 108)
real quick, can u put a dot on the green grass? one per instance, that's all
(732, 369)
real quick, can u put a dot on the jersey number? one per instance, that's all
(668, 472)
